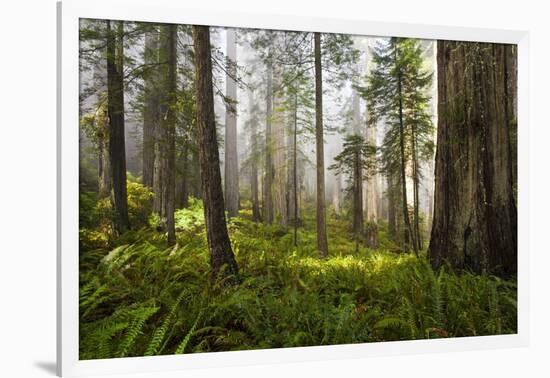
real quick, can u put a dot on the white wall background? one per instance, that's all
(27, 187)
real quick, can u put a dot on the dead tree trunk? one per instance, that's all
(475, 215)
(222, 260)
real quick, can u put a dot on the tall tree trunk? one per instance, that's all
(430, 196)
(117, 144)
(511, 88)
(372, 192)
(289, 183)
(406, 219)
(357, 130)
(222, 260)
(151, 105)
(290, 137)
(254, 189)
(158, 175)
(416, 184)
(337, 193)
(322, 243)
(169, 131)
(103, 166)
(158, 131)
(256, 216)
(231, 162)
(372, 208)
(392, 216)
(295, 170)
(184, 192)
(268, 183)
(358, 225)
(475, 215)
(278, 151)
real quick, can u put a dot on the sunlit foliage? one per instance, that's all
(143, 298)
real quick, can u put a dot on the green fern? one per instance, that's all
(181, 347)
(158, 336)
(131, 297)
(140, 316)
(393, 324)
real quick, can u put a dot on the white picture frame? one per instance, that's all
(167, 11)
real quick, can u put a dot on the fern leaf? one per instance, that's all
(160, 333)
(134, 330)
(181, 347)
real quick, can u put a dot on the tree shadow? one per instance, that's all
(47, 366)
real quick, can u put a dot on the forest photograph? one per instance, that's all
(249, 189)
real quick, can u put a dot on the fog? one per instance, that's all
(344, 110)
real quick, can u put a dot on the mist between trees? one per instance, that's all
(226, 159)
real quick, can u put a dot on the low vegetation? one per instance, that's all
(140, 297)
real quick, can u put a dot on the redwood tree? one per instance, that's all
(117, 144)
(322, 243)
(231, 165)
(268, 193)
(168, 125)
(222, 260)
(150, 106)
(475, 215)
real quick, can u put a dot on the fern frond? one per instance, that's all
(134, 330)
(181, 347)
(160, 333)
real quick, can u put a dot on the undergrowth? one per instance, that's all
(139, 297)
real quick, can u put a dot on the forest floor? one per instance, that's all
(139, 297)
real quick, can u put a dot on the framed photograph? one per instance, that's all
(242, 188)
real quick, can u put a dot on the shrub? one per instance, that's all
(140, 204)
(190, 218)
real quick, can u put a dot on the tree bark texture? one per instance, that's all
(104, 167)
(231, 165)
(475, 215)
(358, 221)
(409, 236)
(294, 197)
(278, 151)
(151, 108)
(392, 216)
(168, 124)
(268, 182)
(372, 181)
(222, 260)
(117, 144)
(254, 187)
(322, 243)
(184, 195)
